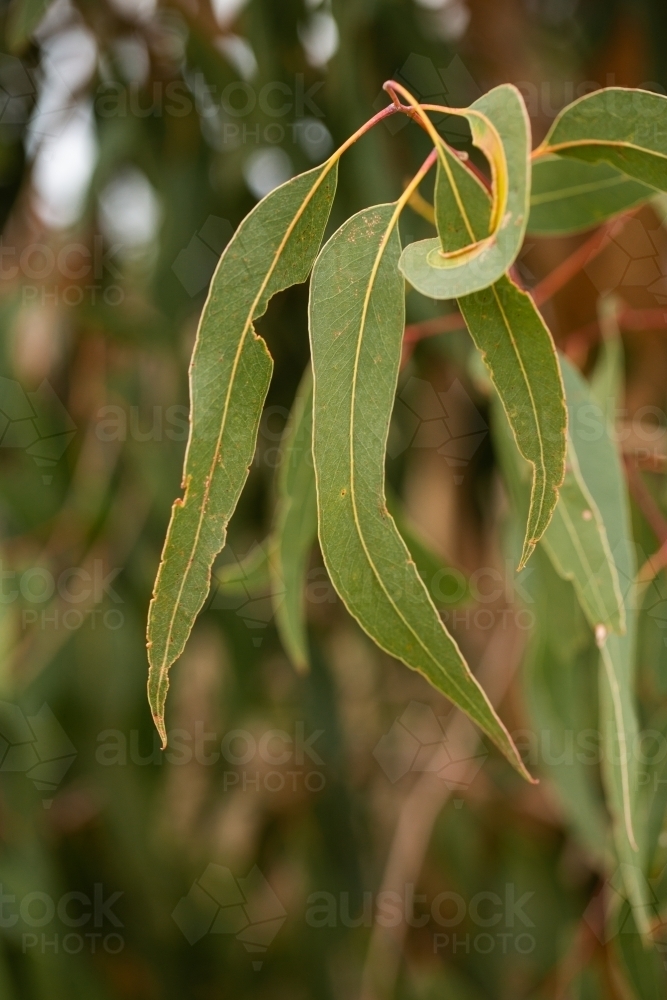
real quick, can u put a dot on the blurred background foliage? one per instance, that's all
(134, 137)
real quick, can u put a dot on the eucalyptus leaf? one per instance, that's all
(431, 568)
(606, 383)
(618, 715)
(424, 263)
(23, 18)
(569, 196)
(516, 347)
(295, 526)
(625, 128)
(560, 672)
(273, 248)
(519, 353)
(250, 575)
(357, 318)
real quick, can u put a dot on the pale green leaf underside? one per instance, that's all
(357, 315)
(569, 196)
(625, 128)
(559, 672)
(273, 248)
(577, 543)
(295, 526)
(446, 278)
(577, 540)
(600, 462)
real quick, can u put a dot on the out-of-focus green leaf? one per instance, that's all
(273, 248)
(625, 128)
(561, 668)
(468, 270)
(618, 717)
(577, 541)
(561, 673)
(23, 18)
(644, 966)
(606, 383)
(295, 527)
(521, 358)
(430, 567)
(357, 317)
(248, 576)
(569, 196)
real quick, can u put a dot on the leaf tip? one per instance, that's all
(528, 549)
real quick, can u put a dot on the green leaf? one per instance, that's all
(249, 576)
(23, 18)
(446, 277)
(606, 384)
(519, 353)
(462, 204)
(625, 128)
(560, 672)
(295, 527)
(618, 717)
(578, 547)
(568, 196)
(357, 317)
(430, 566)
(577, 543)
(273, 248)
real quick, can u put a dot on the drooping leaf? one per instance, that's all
(618, 717)
(560, 672)
(521, 358)
(273, 248)
(295, 527)
(357, 316)
(569, 196)
(625, 128)
(577, 543)
(463, 271)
